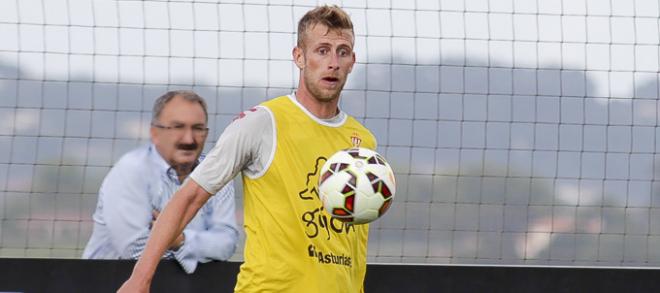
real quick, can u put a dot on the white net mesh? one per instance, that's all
(521, 131)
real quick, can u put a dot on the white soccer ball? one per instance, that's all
(356, 185)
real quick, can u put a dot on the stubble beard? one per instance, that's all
(322, 95)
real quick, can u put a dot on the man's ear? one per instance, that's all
(298, 57)
(350, 69)
(153, 134)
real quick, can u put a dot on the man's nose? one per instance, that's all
(188, 135)
(334, 62)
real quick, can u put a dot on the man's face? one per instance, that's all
(180, 132)
(325, 61)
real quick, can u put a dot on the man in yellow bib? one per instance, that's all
(292, 245)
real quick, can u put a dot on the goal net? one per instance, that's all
(521, 132)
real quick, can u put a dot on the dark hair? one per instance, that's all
(333, 17)
(190, 96)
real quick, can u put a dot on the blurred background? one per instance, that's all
(521, 132)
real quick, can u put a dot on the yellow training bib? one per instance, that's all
(292, 245)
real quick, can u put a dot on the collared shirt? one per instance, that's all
(140, 182)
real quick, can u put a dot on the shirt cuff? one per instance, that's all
(185, 255)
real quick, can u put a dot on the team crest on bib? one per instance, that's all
(356, 140)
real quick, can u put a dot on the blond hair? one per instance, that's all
(332, 17)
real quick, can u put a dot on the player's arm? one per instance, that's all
(170, 223)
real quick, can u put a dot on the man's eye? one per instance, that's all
(323, 51)
(178, 126)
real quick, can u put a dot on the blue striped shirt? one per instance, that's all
(140, 182)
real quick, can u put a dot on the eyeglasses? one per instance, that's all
(180, 129)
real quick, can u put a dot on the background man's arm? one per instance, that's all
(170, 223)
(126, 209)
(218, 239)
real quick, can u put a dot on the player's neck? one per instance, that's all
(320, 109)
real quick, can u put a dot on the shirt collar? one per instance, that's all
(335, 121)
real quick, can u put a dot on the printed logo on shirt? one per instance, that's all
(329, 258)
(314, 219)
(356, 140)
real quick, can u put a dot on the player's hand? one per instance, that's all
(176, 243)
(133, 286)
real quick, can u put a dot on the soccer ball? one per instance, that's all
(356, 185)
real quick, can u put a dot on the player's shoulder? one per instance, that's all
(258, 116)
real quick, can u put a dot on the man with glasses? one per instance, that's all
(141, 183)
